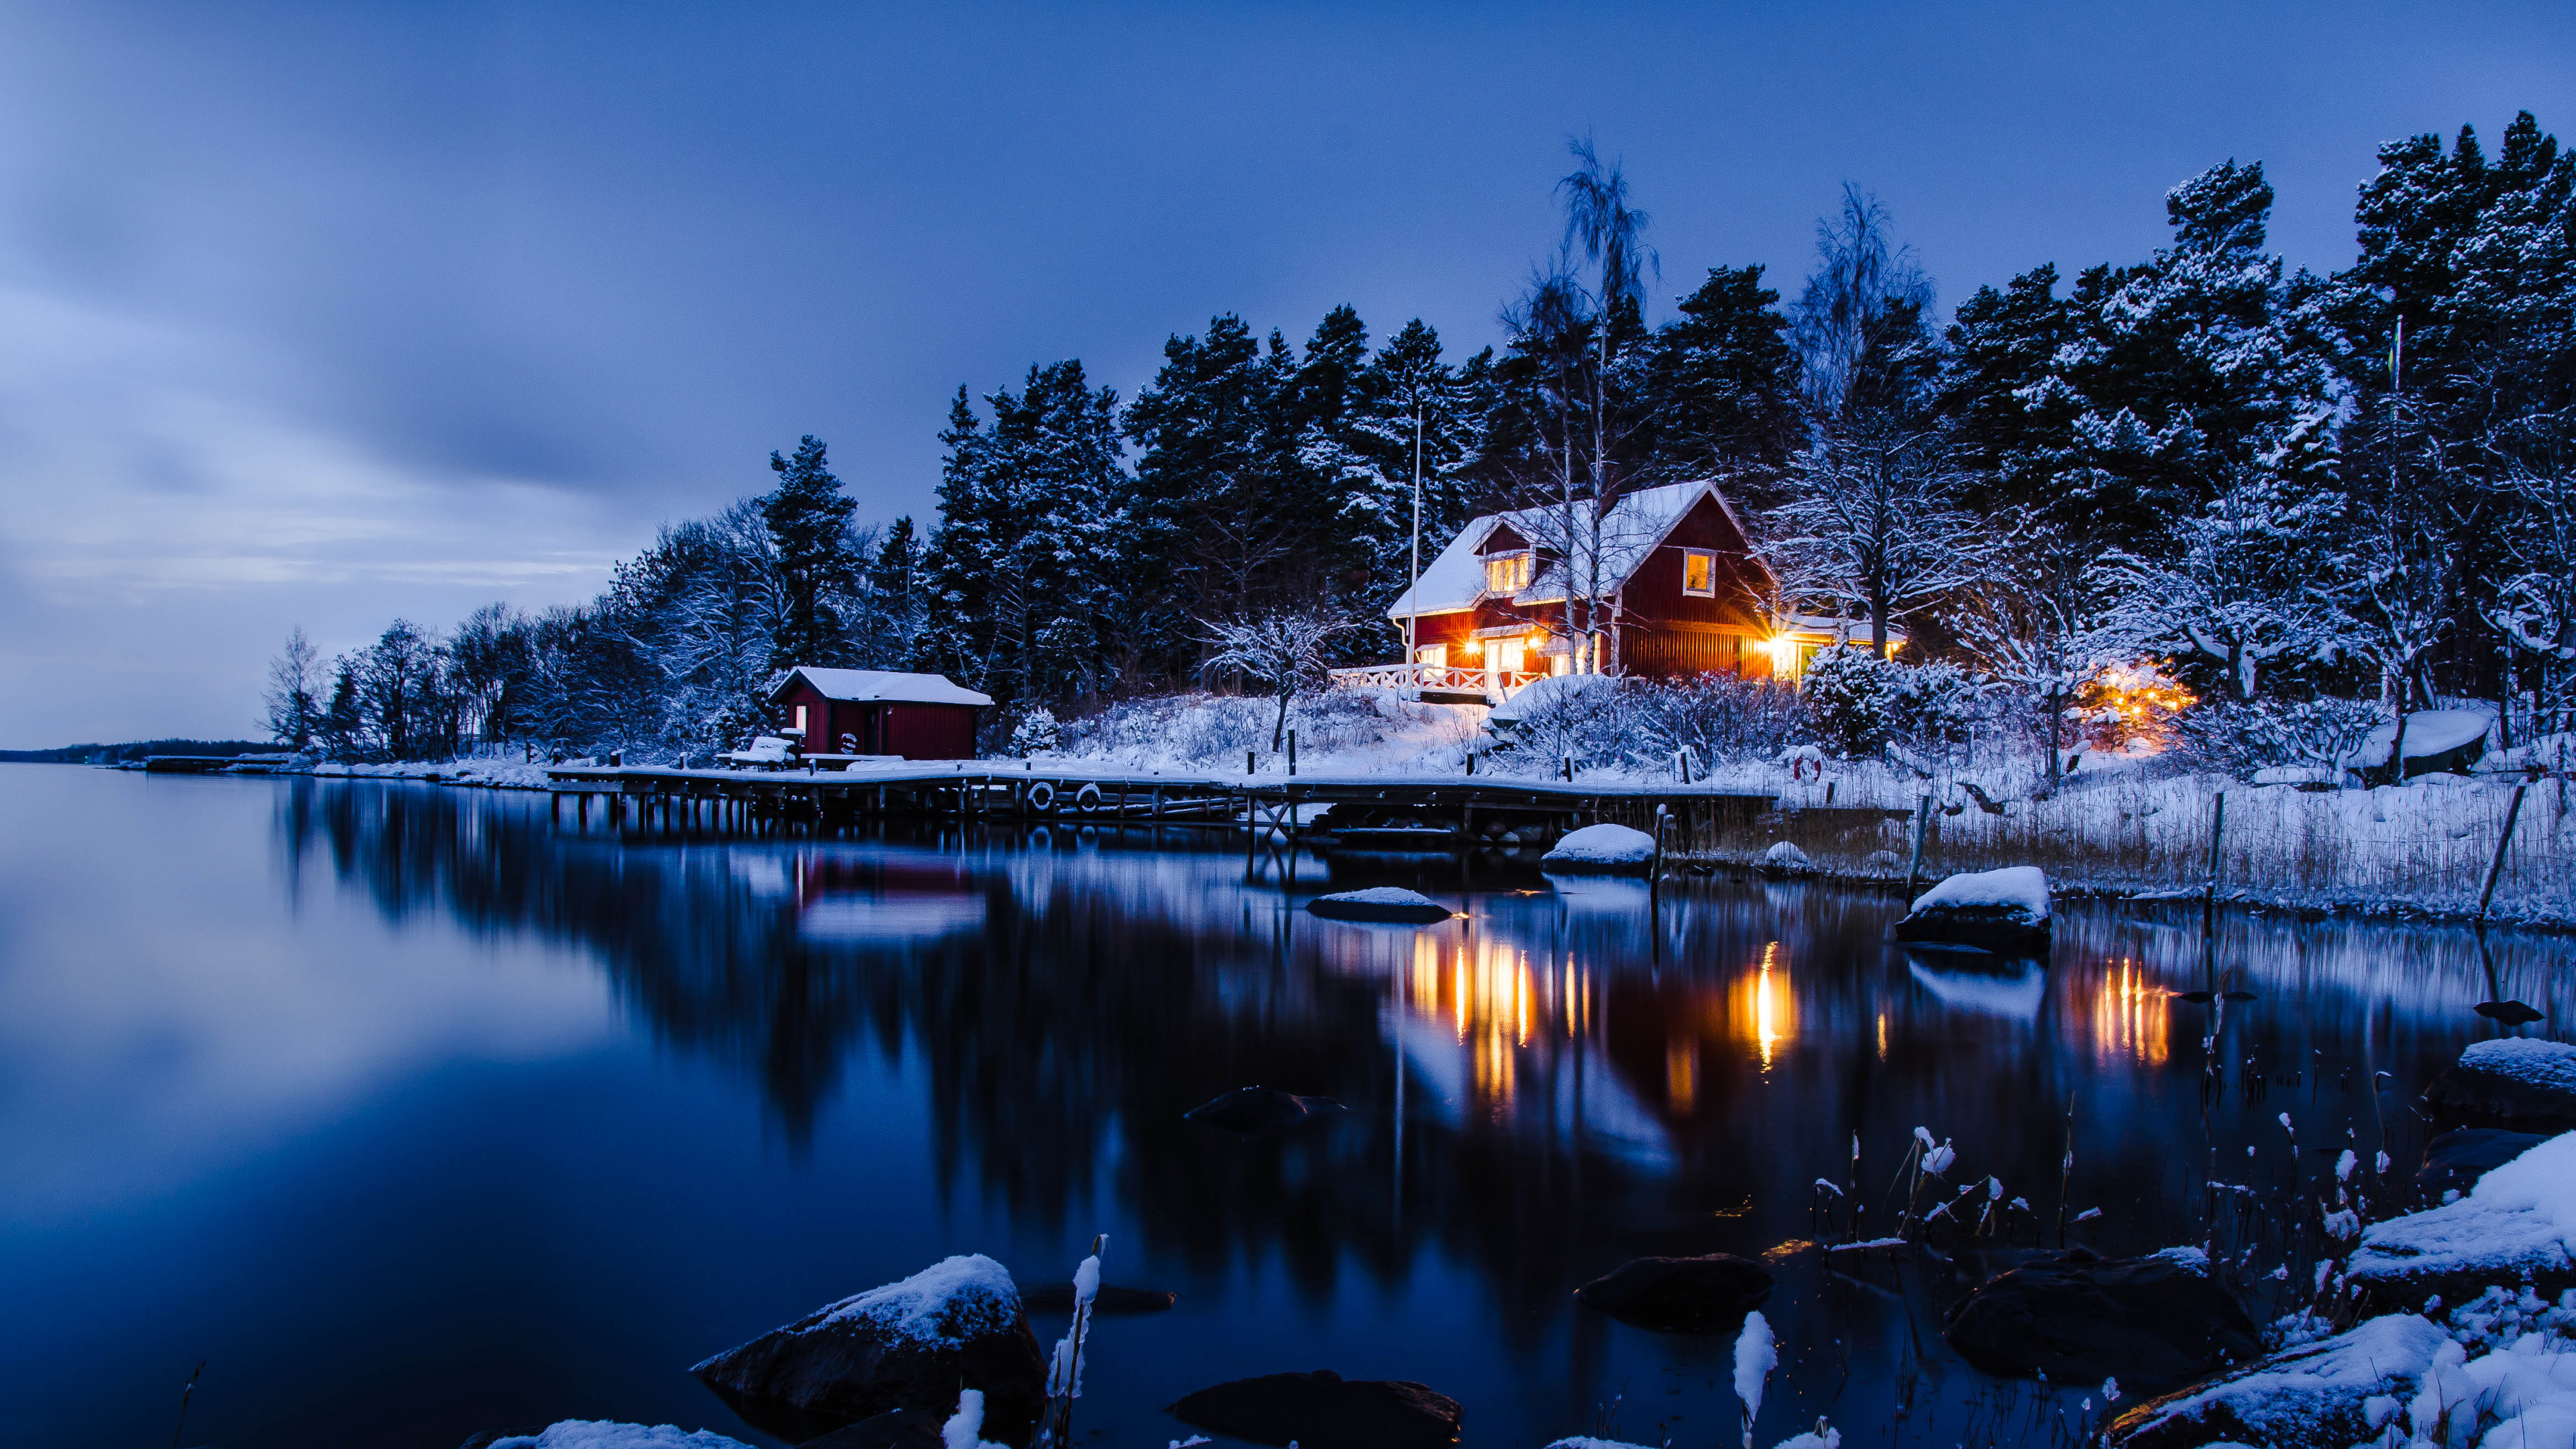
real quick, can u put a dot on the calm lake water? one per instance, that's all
(412, 1114)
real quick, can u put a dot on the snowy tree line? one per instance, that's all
(2290, 489)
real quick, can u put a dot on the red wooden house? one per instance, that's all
(877, 712)
(1668, 571)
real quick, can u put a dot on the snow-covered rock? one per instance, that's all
(907, 1345)
(2517, 1226)
(1602, 847)
(1381, 903)
(2455, 1160)
(2436, 739)
(603, 1434)
(1998, 910)
(2321, 1395)
(2510, 1080)
(1785, 858)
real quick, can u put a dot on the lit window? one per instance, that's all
(1508, 573)
(800, 719)
(1699, 572)
(1435, 656)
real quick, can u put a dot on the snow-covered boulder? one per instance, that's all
(907, 1345)
(2326, 1395)
(2518, 1225)
(603, 1434)
(1381, 903)
(2156, 1322)
(1614, 848)
(2437, 740)
(2455, 1160)
(1997, 910)
(2510, 1081)
(1325, 1408)
(1709, 1293)
(1260, 1111)
(1784, 858)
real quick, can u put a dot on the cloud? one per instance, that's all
(164, 518)
(126, 473)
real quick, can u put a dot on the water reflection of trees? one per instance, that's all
(1582, 1078)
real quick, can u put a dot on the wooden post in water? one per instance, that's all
(2217, 832)
(2504, 844)
(1922, 824)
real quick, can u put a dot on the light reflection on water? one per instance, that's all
(571, 1111)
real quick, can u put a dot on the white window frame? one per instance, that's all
(1704, 553)
(1523, 564)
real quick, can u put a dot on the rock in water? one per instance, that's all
(2455, 1160)
(1257, 1111)
(2156, 1322)
(1706, 1294)
(1113, 1300)
(2312, 1397)
(2004, 911)
(908, 1345)
(2518, 1225)
(1392, 904)
(2511, 1081)
(604, 1434)
(1323, 1410)
(901, 1429)
(1612, 848)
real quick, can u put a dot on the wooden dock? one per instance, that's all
(1405, 812)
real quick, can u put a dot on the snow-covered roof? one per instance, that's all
(1453, 581)
(1630, 533)
(881, 686)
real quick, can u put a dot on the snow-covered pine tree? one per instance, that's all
(809, 521)
(2118, 409)
(1205, 531)
(1723, 383)
(1022, 573)
(897, 612)
(1406, 379)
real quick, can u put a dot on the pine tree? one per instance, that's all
(1024, 573)
(809, 520)
(897, 595)
(1724, 386)
(2135, 400)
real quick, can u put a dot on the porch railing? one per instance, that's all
(1446, 677)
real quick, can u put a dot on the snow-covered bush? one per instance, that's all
(1848, 689)
(1862, 702)
(1726, 717)
(1601, 720)
(2239, 739)
(1360, 728)
(1036, 732)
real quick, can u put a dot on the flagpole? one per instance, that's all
(1414, 596)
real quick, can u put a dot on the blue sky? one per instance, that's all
(323, 314)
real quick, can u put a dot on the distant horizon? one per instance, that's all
(392, 312)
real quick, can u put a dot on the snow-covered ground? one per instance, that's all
(2118, 824)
